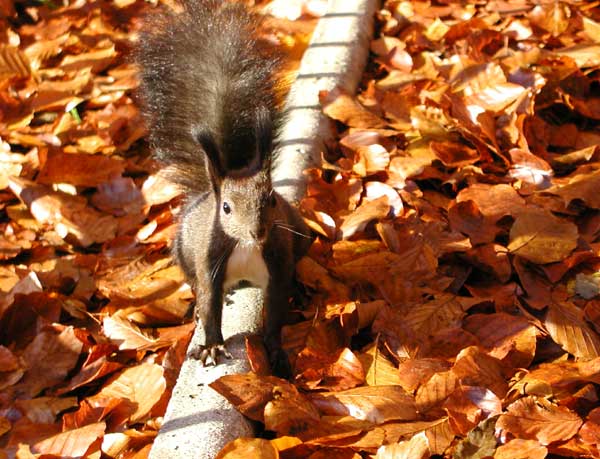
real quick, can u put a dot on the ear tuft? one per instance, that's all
(207, 141)
(264, 135)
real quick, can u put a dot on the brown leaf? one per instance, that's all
(468, 219)
(440, 436)
(491, 258)
(564, 375)
(257, 355)
(441, 312)
(127, 335)
(342, 107)
(248, 447)
(69, 214)
(13, 63)
(553, 17)
(50, 357)
(8, 361)
(583, 187)
(289, 414)
(585, 54)
(414, 372)
(376, 404)
(379, 371)
(540, 237)
(43, 410)
(321, 370)
(317, 277)
(521, 449)
(511, 339)
(357, 221)
(415, 448)
(370, 160)
(590, 431)
(79, 169)
(97, 365)
(453, 154)
(436, 390)
(71, 443)
(141, 385)
(98, 60)
(467, 406)
(250, 393)
(476, 368)
(486, 89)
(567, 327)
(536, 418)
(493, 201)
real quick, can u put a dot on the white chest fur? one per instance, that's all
(246, 264)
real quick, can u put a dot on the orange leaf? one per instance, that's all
(537, 419)
(141, 385)
(72, 443)
(342, 107)
(376, 404)
(567, 327)
(476, 368)
(540, 237)
(371, 210)
(468, 405)
(415, 448)
(521, 449)
(243, 448)
(250, 393)
(50, 357)
(79, 169)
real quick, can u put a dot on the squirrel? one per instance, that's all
(209, 95)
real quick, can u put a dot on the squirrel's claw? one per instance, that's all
(207, 355)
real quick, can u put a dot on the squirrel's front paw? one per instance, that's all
(207, 354)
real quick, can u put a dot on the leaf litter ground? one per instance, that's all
(452, 290)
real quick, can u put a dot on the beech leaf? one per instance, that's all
(540, 237)
(536, 418)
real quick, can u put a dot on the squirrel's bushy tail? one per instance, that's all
(203, 74)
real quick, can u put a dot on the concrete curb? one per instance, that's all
(199, 421)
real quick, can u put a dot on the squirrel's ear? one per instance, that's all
(264, 135)
(208, 144)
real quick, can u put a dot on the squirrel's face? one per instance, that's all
(247, 208)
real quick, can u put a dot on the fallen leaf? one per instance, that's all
(521, 449)
(540, 237)
(365, 213)
(415, 448)
(468, 405)
(479, 443)
(71, 443)
(248, 447)
(49, 357)
(342, 107)
(376, 404)
(79, 169)
(141, 385)
(535, 418)
(567, 327)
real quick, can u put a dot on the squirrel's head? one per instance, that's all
(247, 207)
(245, 196)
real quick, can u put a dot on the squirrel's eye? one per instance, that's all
(226, 208)
(273, 200)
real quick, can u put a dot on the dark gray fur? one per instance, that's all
(209, 98)
(203, 75)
